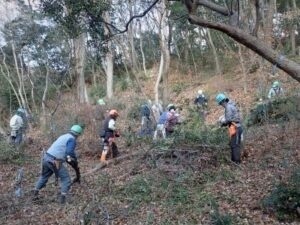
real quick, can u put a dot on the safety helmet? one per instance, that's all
(275, 84)
(171, 106)
(200, 92)
(101, 101)
(21, 110)
(114, 113)
(76, 129)
(220, 97)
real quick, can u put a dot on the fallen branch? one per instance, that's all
(109, 162)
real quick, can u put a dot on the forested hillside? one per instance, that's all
(68, 68)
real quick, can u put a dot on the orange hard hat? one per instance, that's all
(113, 112)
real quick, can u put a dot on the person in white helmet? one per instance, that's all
(201, 103)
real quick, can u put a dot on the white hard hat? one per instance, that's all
(200, 92)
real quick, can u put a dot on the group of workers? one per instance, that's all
(157, 122)
(63, 148)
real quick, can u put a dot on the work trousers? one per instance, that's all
(235, 145)
(48, 170)
(16, 137)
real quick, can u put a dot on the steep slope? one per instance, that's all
(168, 183)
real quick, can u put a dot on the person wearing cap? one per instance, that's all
(62, 150)
(16, 124)
(232, 120)
(276, 90)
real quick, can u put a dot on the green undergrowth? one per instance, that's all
(284, 200)
(11, 154)
(174, 194)
(278, 110)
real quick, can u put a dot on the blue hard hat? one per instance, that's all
(220, 97)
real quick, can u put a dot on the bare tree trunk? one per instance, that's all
(293, 30)
(80, 54)
(131, 39)
(32, 92)
(22, 83)
(20, 78)
(164, 40)
(218, 68)
(268, 29)
(9, 78)
(158, 79)
(108, 61)
(243, 68)
(142, 50)
(44, 115)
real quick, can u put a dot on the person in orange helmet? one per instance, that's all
(108, 134)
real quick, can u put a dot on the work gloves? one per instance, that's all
(74, 164)
(117, 134)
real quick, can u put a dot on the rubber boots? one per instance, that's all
(35, 194)
(62, 199)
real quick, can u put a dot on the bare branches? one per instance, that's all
(253, 43)
(132, 18)
(214, 7)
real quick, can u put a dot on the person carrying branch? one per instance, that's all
(62, 150)
(232, 120)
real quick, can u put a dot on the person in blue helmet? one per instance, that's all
(62, 150)
(232, 120)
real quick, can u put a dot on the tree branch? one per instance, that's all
(214, 7)
(258, 46)
(132, 18)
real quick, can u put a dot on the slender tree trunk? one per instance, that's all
(165, 36)
(108, 61)
(268, 29)
(158, 79)
(80, 54)
(44, 114)
(20, 79)
(142, 50)
(243, 68)
(131, 39)
(215, 54)
(8, 77)
(293, 30)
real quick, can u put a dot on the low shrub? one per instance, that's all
(284, 200)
